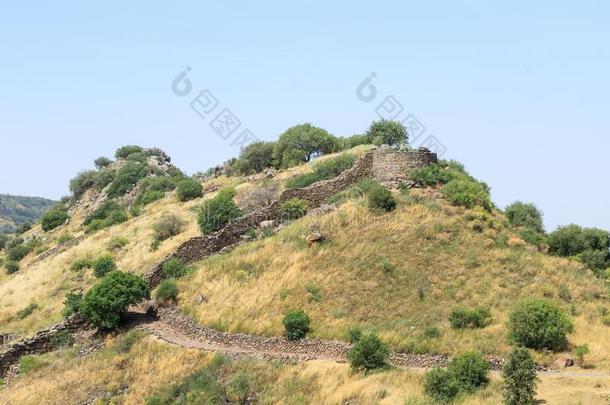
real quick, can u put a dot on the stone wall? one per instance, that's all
(39, 343)
(387, 166)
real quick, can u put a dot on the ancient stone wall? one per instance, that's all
(387, 166)
(39, 343)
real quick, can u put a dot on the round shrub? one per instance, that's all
(167, 291)
(124, 151)
(381, 198)
(387, 132)
(368, 353)
(296, 324)
(441, 385)
(174, 268)
(72, 303)
(520, 378)
(189, 189)
(299, 144)
(54, 218)
(255, 158)
(83, 182)
(470, 371)
(102, 162)
(126, 178)
(18, 252)
(11, 267)
(105, 302)
(167, 226)
(539, 324)
(103, 265)
(462, 318)
(525, 215)
(216, 212)
(294, 208)
(467, 193)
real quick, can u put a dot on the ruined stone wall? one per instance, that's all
(39, 343)
(387, 166)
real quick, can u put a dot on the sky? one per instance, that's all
(517, 91)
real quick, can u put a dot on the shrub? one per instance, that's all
(368, 353)
(520, 378)
(467, 193)
(64, 237)
(294, 208)
(102, 162)
(296, 324)
(539, 324)
(323, 170)
(216, 212)
(462, 318)
(83, 182)
(116, 243)
(303, 180)
(255, 158)
(432, 175)
(27, 311)
(32, 362)
(139, 157)
(380, 198)
(103, 265)
(174, 268)
(54, 218)
(387, 132)
(525, 215)
(124, 151)
(470, 371)
(149, 197)
(581, 351)
(105, 302)
(18, 252)
(441, 385)
(3, 240)
(299, 144)
(81, 263)
(189, 189)
(431, 332)
(166, 291)
(107, 214)
(72, 304)
(11, 267)
(354, 140)
(590, 245)
(353, 334)
(126, 178)
(167, 226)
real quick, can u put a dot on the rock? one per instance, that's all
(323, 209)
(200, 299)
(563, 362)
(314, 237)
(266, 224)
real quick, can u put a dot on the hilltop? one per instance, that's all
(364, 238)
(16, 211)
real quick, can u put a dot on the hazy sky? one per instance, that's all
(518, 92)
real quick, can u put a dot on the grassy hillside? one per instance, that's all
(16, 211)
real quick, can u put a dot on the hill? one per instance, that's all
(16, 211)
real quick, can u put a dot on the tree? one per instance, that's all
(381, 198)
(368, 353)
(124, 151)
(590, 245)
(102, 162)
(105, 303)
(54, 218)
(441, 385)
(296, 324)
(255, 158)
(470, 370)
(189, 189)
(387, 132)
(126, 178)
(216, 212)
(83, 182)
(299, 144)
(524, 215)
(103, 265)
(520, 378)
(539, 324)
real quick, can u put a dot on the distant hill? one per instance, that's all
(17, 210)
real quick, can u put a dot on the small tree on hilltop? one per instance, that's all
(105, 303)
(520, 378)
(299, 144)
(255, 158)
(387, 132)
(368, 353)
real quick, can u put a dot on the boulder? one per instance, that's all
(314, 237)
(266, 224)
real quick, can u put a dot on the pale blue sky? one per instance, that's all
(518, 90)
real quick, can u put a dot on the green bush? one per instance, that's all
(470, 371)
(255, 158)
(54, 218)
(102, 162)
(381, 198)
(18, 252)
(296, 324)
(539, 324)
(589, 245)
(462, 318)
(11, 267)
(27, 311)
(387, 132)
(3, 240)
(432, 175)
(107, 214)
(174, 268)
(303, 180)
(467, 193)
(368, 353)
(65, 237)
(353, 334)
(139, 157)
(124, 151)
(148, 197)
(116, 243)
(299, 144)
(105, 302)
(167, 226)
(72, 304)
(354, 140)
(189, 189)
(166, 291)
(152, 189)
(83, 182)
(81, 263)
(32, 362)
(294, 208)
(520, 378)
(441, 385)
(126, 178)
(524, 215)
(216, 212)
(323, 170)
(103, 265)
